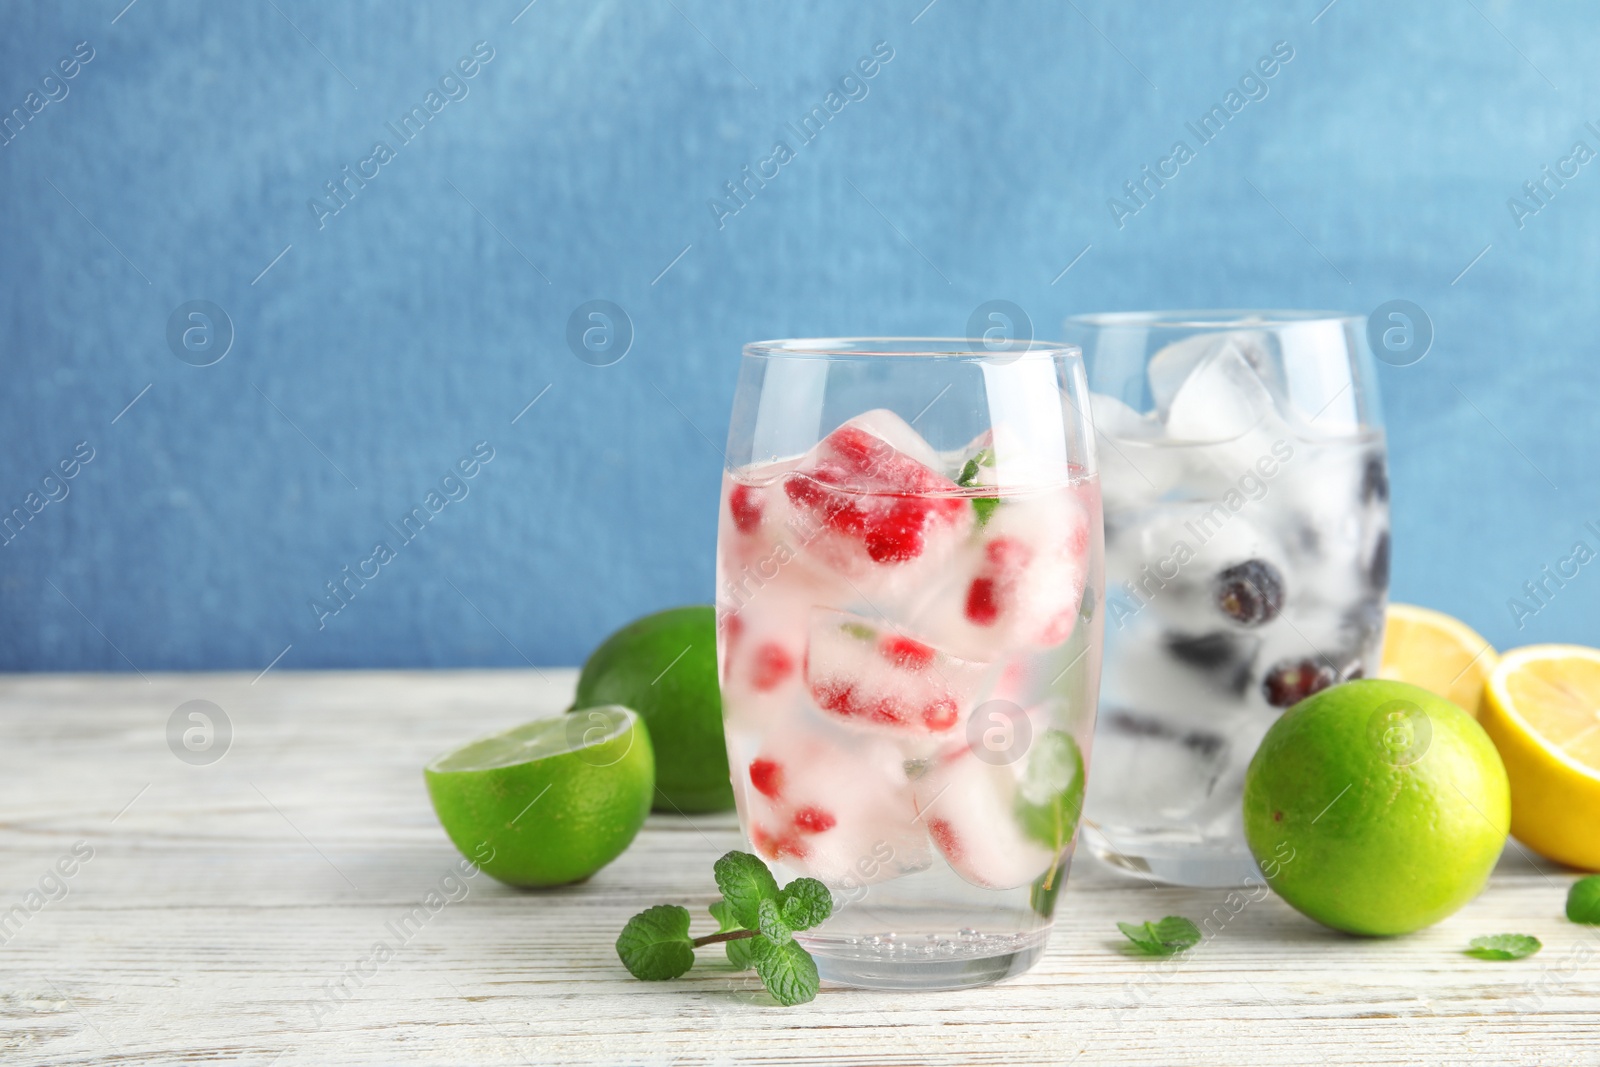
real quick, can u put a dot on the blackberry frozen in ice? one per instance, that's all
(1250, 593)
(1290, 682)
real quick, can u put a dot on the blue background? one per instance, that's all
(429, 311)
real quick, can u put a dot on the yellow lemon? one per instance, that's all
(1441, 654)
(1541, 707)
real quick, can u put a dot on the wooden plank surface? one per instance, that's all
(221, 900)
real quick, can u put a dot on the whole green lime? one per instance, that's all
(664, 666)
(1376, 807)
(549, 802)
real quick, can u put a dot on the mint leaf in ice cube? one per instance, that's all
(983, 506)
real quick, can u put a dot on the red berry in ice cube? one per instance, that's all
(814, 820)
(983, 601)
(767, 777)
(905, 652)
(772, 664)
(776, 846)
(745, 506)
(944, 836)
(860, 485)
(941, 714)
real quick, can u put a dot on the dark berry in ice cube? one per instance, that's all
(1375, 481)
(1378, 567)
(1250, 593)
(1206, 651)
(1293, 680)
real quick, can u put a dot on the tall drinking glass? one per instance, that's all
(1247, 560)
(909, 602)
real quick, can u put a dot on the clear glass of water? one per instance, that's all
(1247, 561)
(909, 604)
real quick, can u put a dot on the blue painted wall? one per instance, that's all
(374, 347)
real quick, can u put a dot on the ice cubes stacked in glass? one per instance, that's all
(872, 594)
(1247, 565)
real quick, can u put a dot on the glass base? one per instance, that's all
(930, 962)
(1197, 862)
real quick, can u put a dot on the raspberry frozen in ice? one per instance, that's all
(872, 676)
(828, 810)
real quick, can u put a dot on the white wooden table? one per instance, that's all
(222, 900)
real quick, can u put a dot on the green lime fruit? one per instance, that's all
(664, 666)
(1376, 807)
(549, 802)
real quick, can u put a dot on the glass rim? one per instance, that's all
(1210, 319)
(950, 348)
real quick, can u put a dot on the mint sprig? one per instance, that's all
(1583, 900)
(1170, 935)
(1503, 947)
(756, 921)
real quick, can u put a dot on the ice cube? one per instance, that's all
(878, 678)
(970, 807)
(873, 513)
(1172, 367)
(1175, 557)
(841, 813)
(1221, 399)
(899, 434)
(1150, 769)
(1018, 584)
(763, 649)
(1136, 467)
(1329, 534)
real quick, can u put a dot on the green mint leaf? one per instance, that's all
(804, 903)
(745, 882)
(1503, 947)
(858, 631)
(722, 911)
(655, 945)
(787, 970)
(1143, 935)
(771, 921)
(1583, 900)
(969, 473)
(1172, 934)
(1177, 933)
(982, 506)
(740, 952)
(1050, 795)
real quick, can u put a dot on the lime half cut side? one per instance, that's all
(549, 802)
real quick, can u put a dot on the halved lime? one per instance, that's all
(551, 801)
